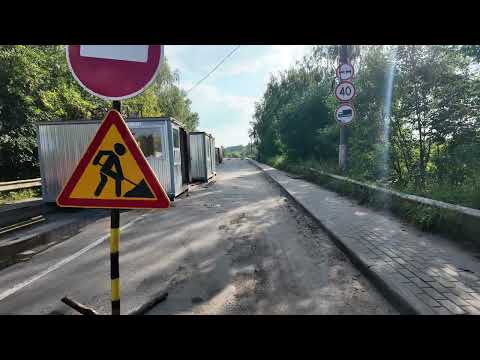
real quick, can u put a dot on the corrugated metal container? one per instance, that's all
(61, 145)
(202, 156)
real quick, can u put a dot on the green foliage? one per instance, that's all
(240, 151)
(23, 194)
(37, 86)
(433, 134)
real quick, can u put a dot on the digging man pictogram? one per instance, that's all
(106, 171)
(140, 190)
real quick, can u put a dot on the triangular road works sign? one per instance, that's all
(113, 173)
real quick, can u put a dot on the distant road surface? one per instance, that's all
(235, 246)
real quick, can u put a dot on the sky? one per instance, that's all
(225, 100)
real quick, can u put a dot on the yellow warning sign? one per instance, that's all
(113, 173)
(113, 168)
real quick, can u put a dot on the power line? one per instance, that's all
(215, 68)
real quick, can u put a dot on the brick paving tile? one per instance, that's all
(475, 303)
(400, 278)
(435, 294)
(400, 261)
(414, 288)
(442, 311)
(475, 296)
(471, 310)
(439, 287)
(447, 277)
(428, 300)
(428, 265)
(456, 299)
(462, 294)
(425, 277)
(464, 288)
(419, 283)
(447, 284)
(406, 273)
(452, 307)
(432, 272)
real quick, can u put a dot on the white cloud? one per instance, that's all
(232, 130)
(276, 58)
(209, 98)
(216, 97)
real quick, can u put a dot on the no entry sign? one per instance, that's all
(114, 72)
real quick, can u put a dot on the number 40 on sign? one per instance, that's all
(345, 91)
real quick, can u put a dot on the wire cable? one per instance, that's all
(213, 70)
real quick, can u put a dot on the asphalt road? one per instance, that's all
(235, 246)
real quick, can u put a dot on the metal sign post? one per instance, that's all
(113, 72)
(114, 247)
(342, 151)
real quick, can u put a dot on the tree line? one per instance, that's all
(424, 139)
(36, 85)
(240, 151)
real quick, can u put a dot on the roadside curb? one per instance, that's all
(402, 300)
(150, 304)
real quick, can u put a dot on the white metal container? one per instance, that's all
(202, 156)
(61, 145)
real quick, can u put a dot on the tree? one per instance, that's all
(37, 86)
(426, 140)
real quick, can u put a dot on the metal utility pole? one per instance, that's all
(342, 149)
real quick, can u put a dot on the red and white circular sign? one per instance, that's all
(114, 72)
(345, 113)
(345, 71)
(345, 91)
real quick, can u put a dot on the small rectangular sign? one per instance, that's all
(136, 53)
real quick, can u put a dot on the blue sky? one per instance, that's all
(225, 100)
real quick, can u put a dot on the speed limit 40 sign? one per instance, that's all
(345, 91)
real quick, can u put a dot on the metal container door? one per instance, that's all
(208, 152)
(177, 160)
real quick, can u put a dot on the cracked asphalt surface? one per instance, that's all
(233, 246)
(261, 254)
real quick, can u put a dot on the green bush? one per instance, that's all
(16, 195)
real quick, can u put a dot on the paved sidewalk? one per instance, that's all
(421, 272)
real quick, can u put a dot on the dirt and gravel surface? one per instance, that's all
(250, 250)
(234, 246)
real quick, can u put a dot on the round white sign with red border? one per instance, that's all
(345, 91)
(114, 72)
(345, 71)
(345, 114)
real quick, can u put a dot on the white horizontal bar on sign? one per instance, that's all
(136, 53)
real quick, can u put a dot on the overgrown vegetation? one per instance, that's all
(16, 195)
(36, 85)
(432, 144)
(240, 151)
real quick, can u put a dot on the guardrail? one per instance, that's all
(20, 184)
